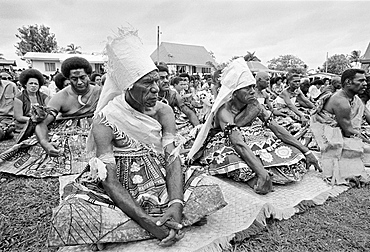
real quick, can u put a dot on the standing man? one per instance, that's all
(336, 126)
(8, 91)
(172, 97)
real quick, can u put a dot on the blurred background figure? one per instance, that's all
(96, 79)
(61, 81)
(8, 91)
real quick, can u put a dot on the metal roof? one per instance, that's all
(62, 56)
(366, 58)
(4, 62)
(181, 54)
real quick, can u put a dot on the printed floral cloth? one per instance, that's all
(28, 158)
(285, 163)
(87, 215)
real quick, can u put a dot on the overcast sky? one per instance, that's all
(308, 30)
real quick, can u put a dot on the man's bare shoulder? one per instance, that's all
(60, 97)
(338, 99)
(163, 108)
(337, 102)
(223, 114)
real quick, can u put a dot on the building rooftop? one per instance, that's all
(62, 56)
(180, 54)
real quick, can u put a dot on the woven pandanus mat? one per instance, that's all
(244, 208)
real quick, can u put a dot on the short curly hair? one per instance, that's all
(31, 73)
(59, 80)
(93, 76)
(75, 63)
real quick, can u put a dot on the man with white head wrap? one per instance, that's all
(135, 183)
(244, 142)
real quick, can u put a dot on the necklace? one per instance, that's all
(80, 95)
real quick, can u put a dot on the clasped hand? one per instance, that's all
(172, 220)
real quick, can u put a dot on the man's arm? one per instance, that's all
(367, 115)
(287, 138)
(187, 111)
(103, 137)
(174, 177)
(263, 184)
(42, 130)
(342, 111)
(303, 101)
(291, 106)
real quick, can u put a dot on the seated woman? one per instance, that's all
(241, 140)
(96, 79)
(31, 80)
(135, 188)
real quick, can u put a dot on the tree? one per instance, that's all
(2, 56)
(73, 49)
(34, 38)
(251, 57)
(212, 55)
(337, 64)
(289, 63)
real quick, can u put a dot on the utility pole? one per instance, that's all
(326, 63)
(158, 45)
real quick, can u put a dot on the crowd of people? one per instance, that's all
(135, 134)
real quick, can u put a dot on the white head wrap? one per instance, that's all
(127, 63)
(235, 76)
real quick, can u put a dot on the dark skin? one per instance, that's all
(263, 80)
(339, 104)
(65, 101)
(241, 110)
(286, 94)
(226, 115)
(142, 97)
(163, 84)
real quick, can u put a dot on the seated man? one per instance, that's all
(135, 184)
(336, 126)
(176, 102)
(262, 83)
(295, 118)
(8, 91)
(241, 140)
(60, 144)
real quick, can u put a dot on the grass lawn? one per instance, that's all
(341, 224)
